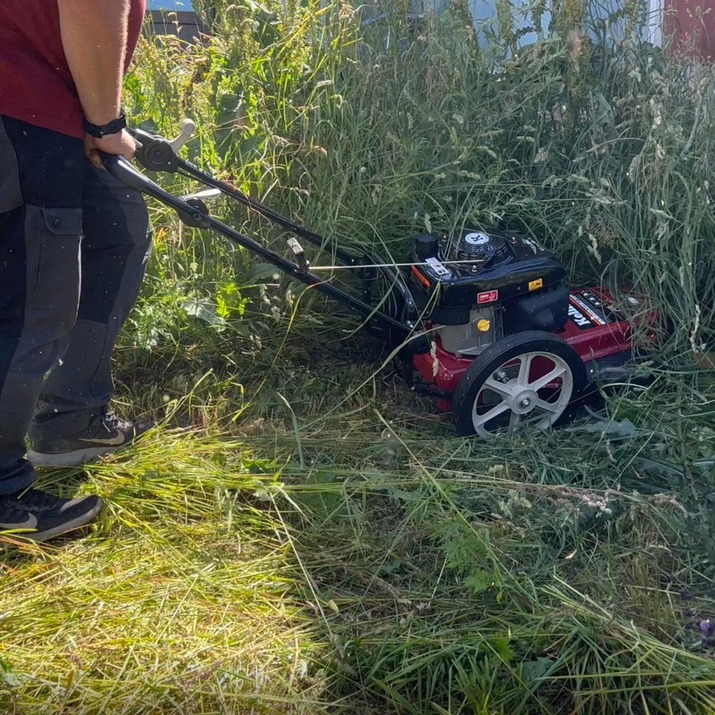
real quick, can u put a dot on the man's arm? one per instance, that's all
(94, 38)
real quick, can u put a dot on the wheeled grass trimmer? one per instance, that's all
(482, 321)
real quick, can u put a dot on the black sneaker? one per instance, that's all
(105, 433)
(40, 516)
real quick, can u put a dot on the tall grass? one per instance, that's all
(600, 147)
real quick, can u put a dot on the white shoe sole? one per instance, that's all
(75, 458)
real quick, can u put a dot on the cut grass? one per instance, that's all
(182, 600)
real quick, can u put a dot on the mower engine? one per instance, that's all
(510, 343)
(476, 287)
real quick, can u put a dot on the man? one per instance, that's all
(73, 246)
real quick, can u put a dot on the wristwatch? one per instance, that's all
(99, 131)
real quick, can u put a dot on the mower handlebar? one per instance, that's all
(121, 169)
(157, 154)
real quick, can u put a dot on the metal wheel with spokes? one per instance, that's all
(527, 378)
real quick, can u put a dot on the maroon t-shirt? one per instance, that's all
(35, 82)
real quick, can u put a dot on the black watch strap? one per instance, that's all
(99, 131)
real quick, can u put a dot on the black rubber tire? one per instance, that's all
(502, 351)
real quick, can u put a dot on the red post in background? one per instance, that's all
(691, 25)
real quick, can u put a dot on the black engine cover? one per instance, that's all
(477, 269)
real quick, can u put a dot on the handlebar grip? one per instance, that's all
(140, 135)
(121, 169)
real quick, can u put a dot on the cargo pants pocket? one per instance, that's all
(53, 239)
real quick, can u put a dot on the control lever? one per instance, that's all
(188, 130)
(203, 195)
(158, 154)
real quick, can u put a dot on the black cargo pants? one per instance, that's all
(73, 247)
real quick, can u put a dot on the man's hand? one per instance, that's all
(121, 144)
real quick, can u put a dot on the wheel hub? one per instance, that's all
(523, 402)
(531, 383)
